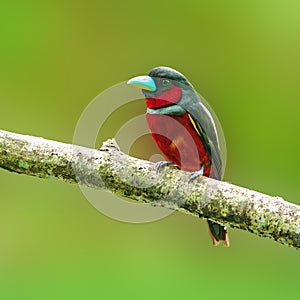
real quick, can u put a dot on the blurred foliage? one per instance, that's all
(56, 56)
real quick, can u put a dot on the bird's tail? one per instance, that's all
(218, 233)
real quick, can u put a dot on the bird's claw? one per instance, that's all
(196, 174)
(162, 164)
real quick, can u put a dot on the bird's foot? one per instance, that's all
(196, 174)
(162, 164)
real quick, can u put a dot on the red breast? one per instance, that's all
(179, 141)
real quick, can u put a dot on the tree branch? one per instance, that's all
(109, 168)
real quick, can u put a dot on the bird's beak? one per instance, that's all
(143, 82)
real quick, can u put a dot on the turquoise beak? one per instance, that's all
(143, 82)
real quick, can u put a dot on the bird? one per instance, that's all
(183, 128)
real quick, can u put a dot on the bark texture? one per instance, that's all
(109, 168)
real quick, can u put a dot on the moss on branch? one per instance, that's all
(109, 168)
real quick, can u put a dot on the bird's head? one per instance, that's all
(162, 87)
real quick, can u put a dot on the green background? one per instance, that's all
(56, 56)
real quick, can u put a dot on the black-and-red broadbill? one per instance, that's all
(183, 128)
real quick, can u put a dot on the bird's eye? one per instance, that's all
(166, 82)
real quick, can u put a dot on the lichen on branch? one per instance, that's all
(109, 168)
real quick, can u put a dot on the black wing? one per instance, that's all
(206, 126)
